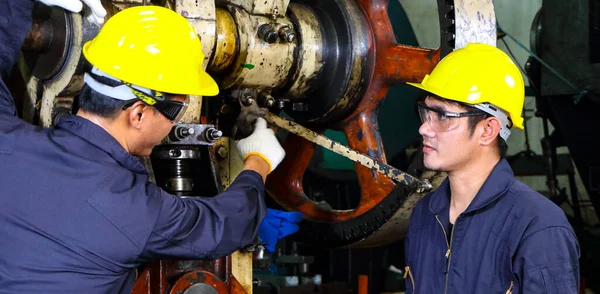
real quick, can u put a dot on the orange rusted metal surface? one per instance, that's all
(392, 63)
(176, 276)
(196, 278)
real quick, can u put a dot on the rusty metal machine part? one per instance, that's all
(353, 111)
(191, 277)
(226, 47)
(273, 8)
(258, 64)
(319, 50)
(48, 43)
(51, 65)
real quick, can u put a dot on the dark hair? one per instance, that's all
(474, 120)
(100, 104)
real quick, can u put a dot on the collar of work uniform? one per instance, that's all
(496, 185)
(100, 138)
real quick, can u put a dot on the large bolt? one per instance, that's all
(266, 100)
(181, 133)
(267, 33)
(212, 134)
(222, 152)
(184, 132)
(247, 100)
(287, 34)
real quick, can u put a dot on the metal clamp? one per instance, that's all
(193, 134)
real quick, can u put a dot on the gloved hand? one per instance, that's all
(244, 124)
(276, 225)
(98, 12)
(263, 143)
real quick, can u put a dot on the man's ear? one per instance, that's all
(491, 129)
(137, 113)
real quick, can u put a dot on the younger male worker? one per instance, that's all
(78, 213)
(481, 230)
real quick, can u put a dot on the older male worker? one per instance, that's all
(78, 213)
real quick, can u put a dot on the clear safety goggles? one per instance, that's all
(173, 110)
(440, 120)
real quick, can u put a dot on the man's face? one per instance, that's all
(448, 148)
(156, 128)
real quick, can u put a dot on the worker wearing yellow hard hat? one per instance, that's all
(481, 230)
(152, 50)
(480, 75)
(79, 212)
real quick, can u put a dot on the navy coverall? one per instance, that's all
(509, 238)
(78, 213)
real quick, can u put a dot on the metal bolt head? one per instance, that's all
(248, 100)
(267, 33)
(287, 34)
(291, 37)
(216, 134)
(222, 152)
(212, 134)
(270, 102)
(175, 153)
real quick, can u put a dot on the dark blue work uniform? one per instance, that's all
(510, 237)
(78, 213)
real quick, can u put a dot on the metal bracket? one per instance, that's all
(193, 134)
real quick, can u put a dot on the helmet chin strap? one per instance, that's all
(121, 92)
(498, 113)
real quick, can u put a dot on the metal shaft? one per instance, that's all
(393, 173)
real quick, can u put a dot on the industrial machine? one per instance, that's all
(564, 75)
(322, 64)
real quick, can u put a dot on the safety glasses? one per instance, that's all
(440, 120)
(173, 110)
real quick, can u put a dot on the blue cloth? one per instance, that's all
(276, 225)
(508, 234)
(78, 213)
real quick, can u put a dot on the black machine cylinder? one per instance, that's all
(175, 168)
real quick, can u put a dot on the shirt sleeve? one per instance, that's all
(15, 23)
(547, 261)
(208, 228)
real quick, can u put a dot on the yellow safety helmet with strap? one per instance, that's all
(477, 74)
(152, 47)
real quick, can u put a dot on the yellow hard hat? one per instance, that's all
(479, 73)
(152, 47)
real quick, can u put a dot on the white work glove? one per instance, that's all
(263, 143)
(98, 12)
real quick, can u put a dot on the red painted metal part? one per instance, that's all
(175, 276)
(393, 63)
(196, 277)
